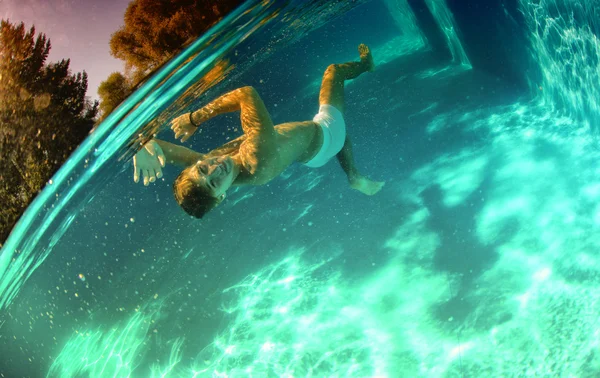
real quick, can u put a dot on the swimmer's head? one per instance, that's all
(202, 186)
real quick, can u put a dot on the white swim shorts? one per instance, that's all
(332, 123)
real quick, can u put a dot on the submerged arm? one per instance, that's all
(148, 162)
(178, 155)
(227, 103)
(253, 114)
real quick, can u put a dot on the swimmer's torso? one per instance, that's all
(266, 158)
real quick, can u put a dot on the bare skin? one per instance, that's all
(265, 150)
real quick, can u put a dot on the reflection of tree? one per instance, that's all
(209, 80)
(44, 115)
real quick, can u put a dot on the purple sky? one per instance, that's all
(78, 29)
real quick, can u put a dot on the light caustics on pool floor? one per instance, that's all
(300, 318)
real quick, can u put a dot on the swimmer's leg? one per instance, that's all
(332, 85)
(332, 93)
(356, 180)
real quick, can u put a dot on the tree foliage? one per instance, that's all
(44, 115)
(155, 30)
(112, 92)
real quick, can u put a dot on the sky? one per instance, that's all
(78, 29)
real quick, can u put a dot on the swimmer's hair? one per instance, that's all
(194, 199)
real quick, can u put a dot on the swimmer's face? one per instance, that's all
(215, 174)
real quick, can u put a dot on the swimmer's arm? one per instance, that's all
(178, 155)
(253, 113)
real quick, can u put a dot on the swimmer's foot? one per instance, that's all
(366, 57)
(365, 185)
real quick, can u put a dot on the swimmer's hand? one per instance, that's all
(183, 128)
(148, 162)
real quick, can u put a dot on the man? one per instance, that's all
(264, 151)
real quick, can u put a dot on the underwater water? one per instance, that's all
(479, 257)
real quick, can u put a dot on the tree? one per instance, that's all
(112, 92)
(155, 30)
(44, 115)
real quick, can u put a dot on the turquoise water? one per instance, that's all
(477, 259)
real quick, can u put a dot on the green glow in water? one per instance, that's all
(566, 48)
(405, 21)
(445, 19)
(102, 352)
(303, 317)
